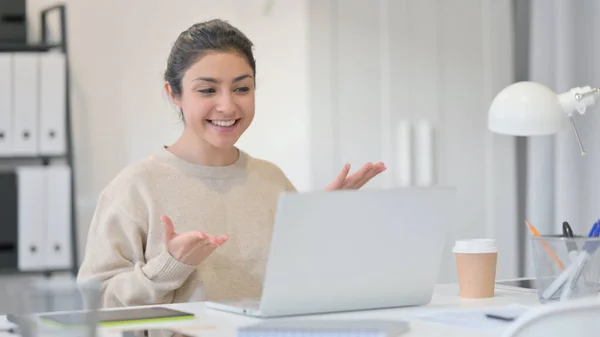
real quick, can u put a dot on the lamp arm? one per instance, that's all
(578, 100)
(590, 92)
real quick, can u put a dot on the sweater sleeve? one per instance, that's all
(114, 256)
(289, 186)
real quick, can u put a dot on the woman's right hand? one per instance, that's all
(190, 248)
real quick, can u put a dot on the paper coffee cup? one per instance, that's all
(476, 265)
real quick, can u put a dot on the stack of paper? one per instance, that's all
(475, 319)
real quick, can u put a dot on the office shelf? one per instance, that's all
(32, 158)
(17, 272)
(18, 47)
(46, 160)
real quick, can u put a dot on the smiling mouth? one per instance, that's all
(223, 123)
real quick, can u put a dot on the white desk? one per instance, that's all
(211, 323)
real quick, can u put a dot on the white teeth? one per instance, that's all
(223, 123)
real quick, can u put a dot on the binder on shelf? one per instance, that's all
(58, 217)
(52, 103)
(25, 104)
(31, 200)
(6, 103)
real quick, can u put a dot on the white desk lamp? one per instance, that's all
(531, 109)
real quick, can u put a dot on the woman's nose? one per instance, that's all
(226, 103)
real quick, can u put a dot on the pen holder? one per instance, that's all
(566, 267)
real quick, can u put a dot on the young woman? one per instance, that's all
(193, 221)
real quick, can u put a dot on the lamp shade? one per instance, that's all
(526, 109)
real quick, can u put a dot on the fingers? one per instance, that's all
(338, 182)
(342, 176)
(168, 228)
(219, 241)
(212, 240)
(380, 167)
(222, 239)
(358, 179)
(364, 175)
(371, 173)
(194, 247)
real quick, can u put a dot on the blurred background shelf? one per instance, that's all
(37, 188)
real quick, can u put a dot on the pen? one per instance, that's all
(558, 283)
(575, 273)
(568, 233)
(502, 318)
(590, 247)
(548, 249)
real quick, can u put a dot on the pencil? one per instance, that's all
(535, 232)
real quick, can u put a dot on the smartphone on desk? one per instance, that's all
(153, 333)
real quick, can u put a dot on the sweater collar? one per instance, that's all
(237, 169)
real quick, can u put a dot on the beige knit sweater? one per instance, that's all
(125, 250)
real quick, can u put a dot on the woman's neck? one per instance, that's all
(199, 152)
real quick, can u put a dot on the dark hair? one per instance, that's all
(192, 44)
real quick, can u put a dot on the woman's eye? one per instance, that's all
(243, 89)
(207, 91)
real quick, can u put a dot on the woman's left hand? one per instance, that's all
(356, 180)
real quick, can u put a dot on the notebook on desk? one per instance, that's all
(352, 250)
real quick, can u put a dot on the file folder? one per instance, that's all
(6, 103)
(58, 217)
(31, 200)
(52, 104)
(25, 86)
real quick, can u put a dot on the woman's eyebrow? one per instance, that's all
(214, 80)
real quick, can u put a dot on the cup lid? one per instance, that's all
(475, 246)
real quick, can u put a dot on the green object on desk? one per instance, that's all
(127, 322)
(149, 320)
(118, 317)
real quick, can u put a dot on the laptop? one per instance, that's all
(352, 250)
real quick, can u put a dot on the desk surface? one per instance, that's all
(211, 323)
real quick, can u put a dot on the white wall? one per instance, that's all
(376, 63)
(118, 51)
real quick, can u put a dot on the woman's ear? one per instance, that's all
(174, 98)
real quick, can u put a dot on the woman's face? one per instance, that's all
(217, 98)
